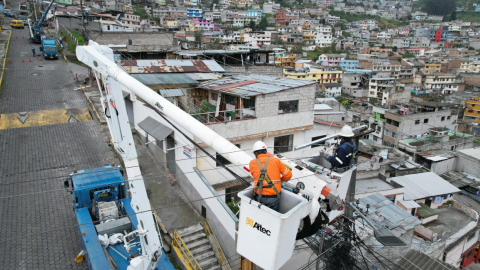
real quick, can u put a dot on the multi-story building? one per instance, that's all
(387, 67)
(308, 39)
(285, 60)
(254, 13)
(257, 38)
(314, 73)
(195, 13)
(355, 85)
(401, 43)
(472, 110)
(461, 52)
(347, 65)
(384, 35)
(271, 8)
(203, 25)
(444, 82)
(170, 22)
(331, 89)
(323, 36)
(131, 20)
(415, 122)
(388, 91)
(331, 60)
(464, 65)
(376, 122)
(431, 68)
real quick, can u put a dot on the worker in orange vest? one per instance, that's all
(268, 173)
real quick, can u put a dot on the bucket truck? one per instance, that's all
(36, 30)
(265, 237)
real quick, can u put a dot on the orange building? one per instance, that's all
(472, 110)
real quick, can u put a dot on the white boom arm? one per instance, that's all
(100, 58)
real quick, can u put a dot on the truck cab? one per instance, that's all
(49, 48)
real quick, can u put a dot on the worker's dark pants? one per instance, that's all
(273, 203)
(33, 52)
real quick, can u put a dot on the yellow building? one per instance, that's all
(286, 60)
(170, 22)
(472, 110)
(319, 75)
(432, 68)
(238, 2)
(309, 39)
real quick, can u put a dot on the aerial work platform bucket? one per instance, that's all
(267, 237)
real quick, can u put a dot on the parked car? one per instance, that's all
(9, 13)
(23, 18)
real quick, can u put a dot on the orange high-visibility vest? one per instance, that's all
(276, 171)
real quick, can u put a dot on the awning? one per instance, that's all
(171, 93)
(155, 128)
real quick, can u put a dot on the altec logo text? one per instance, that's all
(257, 226)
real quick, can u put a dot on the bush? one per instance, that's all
(232, 206)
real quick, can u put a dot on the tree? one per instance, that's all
(439, 7)
(453, 16)
(342, 25)
(252, 25)
(395, 48)
(263, 24)
(383, 46)
(445, 18)
(375, 6)
(198, 36)
(333, 47)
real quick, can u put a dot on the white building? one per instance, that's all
(323, 36)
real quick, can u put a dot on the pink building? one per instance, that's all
(331, 60)
(204, 25)
(404, 31)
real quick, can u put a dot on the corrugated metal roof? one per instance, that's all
(424, 185)
(409, 204)
(164, 79)
(203, 76)
(171, 93)
(385, 214)
(253, 85)
(170, 66)
(155, 128)
(415, 260)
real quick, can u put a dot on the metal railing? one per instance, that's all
(184, 253)
(222, 259)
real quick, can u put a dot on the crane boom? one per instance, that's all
(39, 25)
(100, 58)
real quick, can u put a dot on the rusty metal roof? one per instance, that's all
(170, 66)
(253, 85)
(164, 79)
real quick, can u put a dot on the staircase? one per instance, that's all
(198, 244)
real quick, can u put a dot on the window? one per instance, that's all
(417, 122)
(443, 118)
(288, 106)
(470, 237)
(425, 120)
(214, 96)
(448, 117)
(283, 144)
(223, 160)
(249, 103)
(230, 99)
(317, 138)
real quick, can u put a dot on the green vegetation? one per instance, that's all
(142, 13)
(78, 36)
(408, 55)
(68, 42)
(468, 16)
(267, 15)
(439, 7)
(232, 206)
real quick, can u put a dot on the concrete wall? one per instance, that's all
(467, 164)
(75, 23)
(264, 70)
(444, 166)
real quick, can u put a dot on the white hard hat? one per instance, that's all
(259, 146)
(346, 132)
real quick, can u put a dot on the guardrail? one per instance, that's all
(222, 259)
(184, 253)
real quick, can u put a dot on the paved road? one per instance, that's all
(37, 227)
